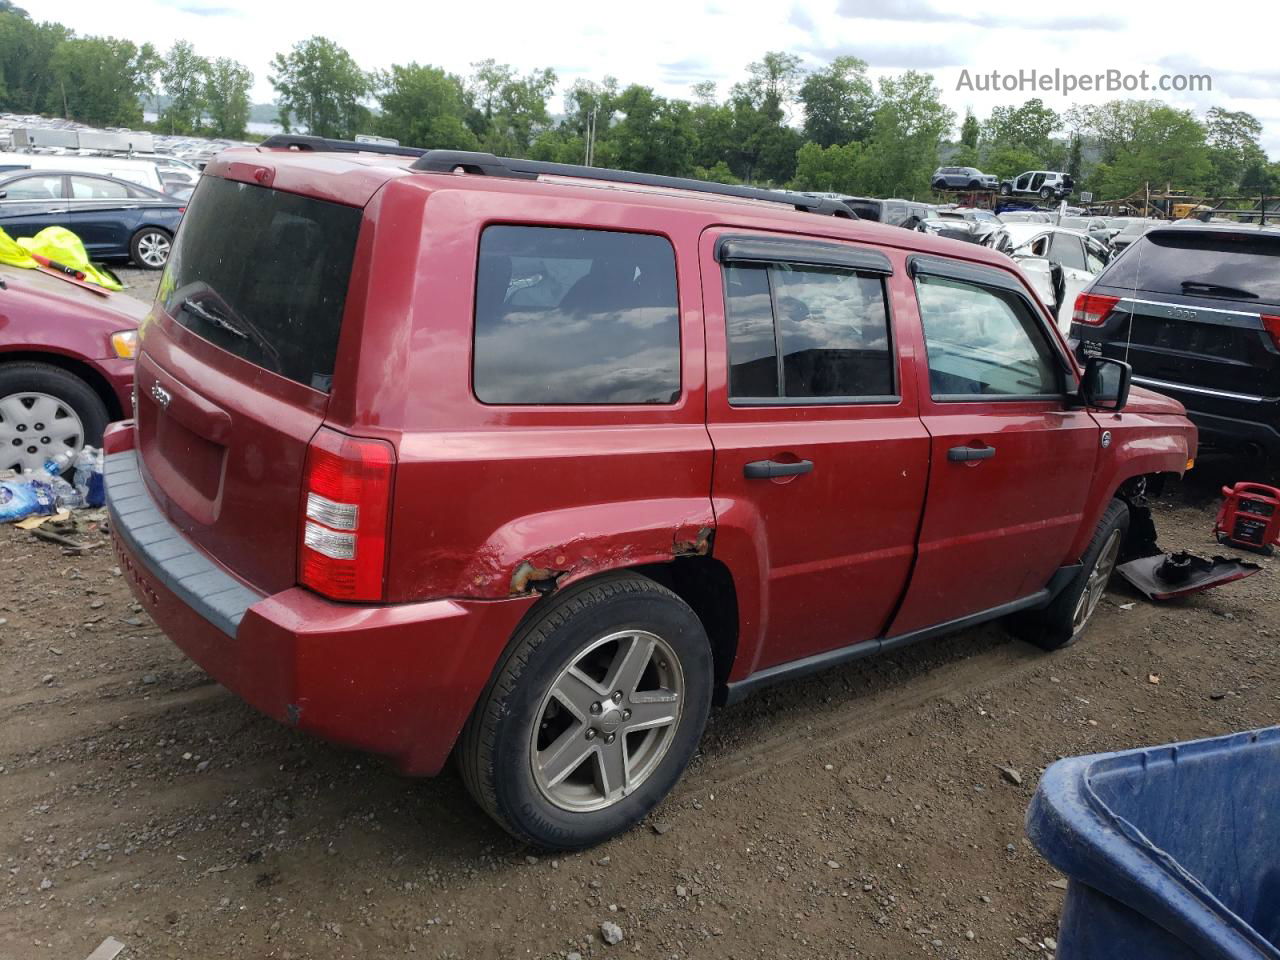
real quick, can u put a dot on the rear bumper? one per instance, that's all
(1225, 419)
(398, 680)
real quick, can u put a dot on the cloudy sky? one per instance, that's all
(671, 44)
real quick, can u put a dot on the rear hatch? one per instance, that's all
(1195, 308)
(236, 366)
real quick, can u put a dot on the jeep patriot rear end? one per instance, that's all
(448, 454)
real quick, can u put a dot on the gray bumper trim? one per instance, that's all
(167, 554)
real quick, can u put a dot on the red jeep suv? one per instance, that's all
(437, 452)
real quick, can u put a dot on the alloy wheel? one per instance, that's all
(607, 720)
(153, 249)
(35, 427)
(1096, 585)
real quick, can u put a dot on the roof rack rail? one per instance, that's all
(297, 141)
(445, 161)
(486, 164)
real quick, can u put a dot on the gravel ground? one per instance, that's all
(855, 814)
(139, 283)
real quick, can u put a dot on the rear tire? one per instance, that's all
(1065, 619)
(1046, 193)
(150, 248)
(56, 411)
(540, 751)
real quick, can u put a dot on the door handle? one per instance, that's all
(765, 469)
(965, 454)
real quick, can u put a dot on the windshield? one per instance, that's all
(263, 274)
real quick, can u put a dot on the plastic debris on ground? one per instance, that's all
(51, 507)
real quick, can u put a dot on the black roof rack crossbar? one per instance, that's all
(297, 141)
(445, 161)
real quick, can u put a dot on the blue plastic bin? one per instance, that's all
(1170, 852)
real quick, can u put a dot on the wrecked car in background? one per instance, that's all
(1045, 184)
(431, 586)
(1059, 262)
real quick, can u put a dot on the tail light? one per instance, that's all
(347, 487)
(1093, 308)
(1273, 327)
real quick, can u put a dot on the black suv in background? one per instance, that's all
(1195, 308)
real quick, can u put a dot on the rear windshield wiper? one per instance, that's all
(246, 332)
(1218, 289)
(215, 319)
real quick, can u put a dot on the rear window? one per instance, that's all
(263, 275)
(1203, 264)
(865, 209)
(566, 316)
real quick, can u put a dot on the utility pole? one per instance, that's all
(591, 136)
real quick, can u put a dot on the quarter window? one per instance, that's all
(567, 316)
(806, 332)
(983, 342)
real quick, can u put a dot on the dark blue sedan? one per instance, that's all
(115, 219)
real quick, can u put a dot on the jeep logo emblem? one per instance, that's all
(1182, 313)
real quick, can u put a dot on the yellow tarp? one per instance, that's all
(59, 245)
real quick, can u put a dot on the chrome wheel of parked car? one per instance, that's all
(151, 248)
(1096, 585)
(607, 720)
(35, 427)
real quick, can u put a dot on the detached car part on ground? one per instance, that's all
(541, 491)
(66, 365)
(116, 220)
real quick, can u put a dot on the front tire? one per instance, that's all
(592, 715)
(1065, 619)
(1005, 190)
(1046, 193)
(45, 411)
(150, 248)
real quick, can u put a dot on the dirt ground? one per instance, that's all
(855, 814)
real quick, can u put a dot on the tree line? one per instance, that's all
(830, 129)
(46, 68)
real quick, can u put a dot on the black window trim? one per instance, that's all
(895, 360)
(807, 253)
(988, 278)
(680, 397)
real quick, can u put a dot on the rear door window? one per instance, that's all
(98, 188)
(263, 274)
(567, 316)
(983, 342)
(1202, 263)
(806, 332)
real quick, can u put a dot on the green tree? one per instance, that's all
(654, 135)
(712, 130)
(508, 112)
(1112, 125)
(423, 106)
(839, 102)
(910, 123)
(100, 80)
(764, 146)
(1028, 127)
(226, 96)
(320, 87)
(1168, 148)
(26, 62)
(718, 173)
(969, 131)
(1233, 147)
(832, 169)
(184, 78)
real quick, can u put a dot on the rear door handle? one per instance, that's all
(964, 454)
(764, 469)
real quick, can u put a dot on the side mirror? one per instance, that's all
(1105, 384)
(4, 194)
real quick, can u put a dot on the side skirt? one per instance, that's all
(794, 669)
